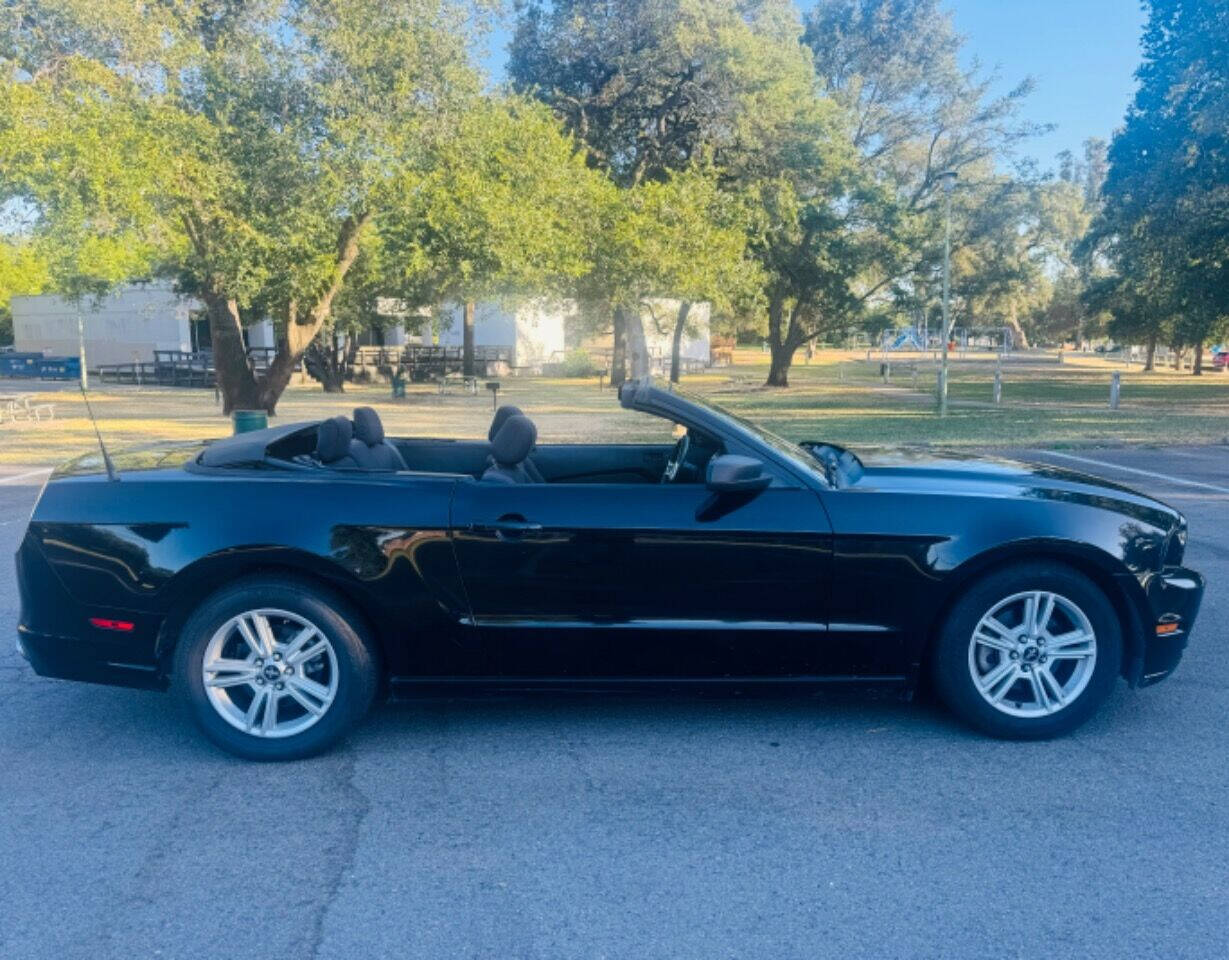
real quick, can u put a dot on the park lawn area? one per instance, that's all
(839, 397)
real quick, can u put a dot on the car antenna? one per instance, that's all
(106, 457)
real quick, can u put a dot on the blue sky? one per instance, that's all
(1082, 54)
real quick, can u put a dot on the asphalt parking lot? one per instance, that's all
(851, 825)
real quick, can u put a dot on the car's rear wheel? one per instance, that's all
(1028, 652)
(275, 668)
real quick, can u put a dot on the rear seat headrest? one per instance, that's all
(367, 426)
(501, 417)
(514, 440)
(333, 439)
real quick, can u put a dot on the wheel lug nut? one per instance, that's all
(280, 685)
(289, 669)
(1027, 668)
(260, 681)
(1014, 655)
(1042, 658)
(259, 662)
(277, 656)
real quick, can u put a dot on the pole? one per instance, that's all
(1115, 389)
(85, 376)
(948, 180)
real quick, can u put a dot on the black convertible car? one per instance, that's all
(278, 580)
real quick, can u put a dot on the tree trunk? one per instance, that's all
(1197, 369)
(778, 370)
(1017, 332)
(618, 353)
(237, 381)
(1150, 356)
(327, 363)
(467, 339)
(637, 346)
(679, 323)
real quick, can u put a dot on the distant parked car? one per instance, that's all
(1220, 359)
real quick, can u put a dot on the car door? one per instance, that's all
(646, 580)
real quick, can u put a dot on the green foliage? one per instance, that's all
(505, 207)
(578, 363)
(244, 148)
(1165, 225)
(651, 86)
(684, 104)
(22, 271)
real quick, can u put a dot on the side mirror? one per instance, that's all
(734, 474)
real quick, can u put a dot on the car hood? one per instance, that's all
(924, 471)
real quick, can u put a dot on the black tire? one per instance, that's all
(950, 659)
(357, 673)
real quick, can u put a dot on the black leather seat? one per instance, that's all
(497, 422)
(333, 439)
(509, 450)
(369, 448)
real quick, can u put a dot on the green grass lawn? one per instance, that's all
(839, 397)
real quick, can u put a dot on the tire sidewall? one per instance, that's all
(950, 662)
(356, 666)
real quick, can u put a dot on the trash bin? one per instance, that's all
(248, 420)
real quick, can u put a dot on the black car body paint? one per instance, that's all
(603, 577)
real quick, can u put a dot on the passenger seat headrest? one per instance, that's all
(367, 426)
(514, 441)
(500, 418)
(333, 439)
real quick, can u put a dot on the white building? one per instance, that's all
(124, 326)
(120, 327)
(532, 331)
(659, 317)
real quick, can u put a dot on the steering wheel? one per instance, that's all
(677, 458)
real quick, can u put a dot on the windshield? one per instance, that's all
(788, 449)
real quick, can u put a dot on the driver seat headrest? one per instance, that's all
(514, 440)
(367, 426)
(500, 418)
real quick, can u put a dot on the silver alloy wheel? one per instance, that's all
(1032, 654)
(270, 673)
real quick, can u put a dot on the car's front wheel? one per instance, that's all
(1028, 652)
(274, 668)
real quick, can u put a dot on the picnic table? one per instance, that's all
(14, 408)
(470, 383)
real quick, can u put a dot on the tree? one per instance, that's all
(652, 87)
(1166, 192)
(246, 148)
(22, 271)
(682, 238)
(507, 206)
(853, 229)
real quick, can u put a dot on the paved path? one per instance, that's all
(855, 826)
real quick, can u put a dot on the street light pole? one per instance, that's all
(949, 180)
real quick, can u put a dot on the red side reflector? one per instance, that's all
(102, 623)
(1163, 628)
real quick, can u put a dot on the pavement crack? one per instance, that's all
(356, 806)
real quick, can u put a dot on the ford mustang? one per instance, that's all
(278, 581)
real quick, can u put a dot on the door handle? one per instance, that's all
(515, 526)
(506, 527)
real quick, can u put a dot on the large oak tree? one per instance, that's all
(245, 146)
